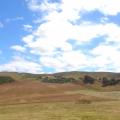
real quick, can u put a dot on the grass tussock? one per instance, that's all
(83, 101)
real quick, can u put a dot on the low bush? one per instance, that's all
(5, 79)
(88, 80)
(83, 101)
(58, 79)
(109, 82)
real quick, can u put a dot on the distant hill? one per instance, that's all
(84, 78)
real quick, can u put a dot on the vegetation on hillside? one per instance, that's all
(87, 79)
(35, 100)
(103, 79)
(58, 79)
(109, 82)
(5, 79)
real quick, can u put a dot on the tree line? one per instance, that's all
(86, 80)
(58, 79)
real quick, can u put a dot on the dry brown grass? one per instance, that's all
(37, 92)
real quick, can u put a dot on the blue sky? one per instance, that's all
(13, 15)
(46, 36)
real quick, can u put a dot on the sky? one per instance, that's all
(48, 36)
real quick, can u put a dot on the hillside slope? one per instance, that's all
(84, 78)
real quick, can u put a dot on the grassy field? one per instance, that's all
(44, 101)
(62, 111)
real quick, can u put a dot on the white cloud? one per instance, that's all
(59, 28)
(58, 24)
(74, 59)
(28, 28)
(113, 31)
(21, 65)
(18, 48)
(34, 5)
(52, 62)
(37, 6)
(28, 39)
(50, 40)
(106, 57)
(66, 61)
(107, 7)
(71, 7)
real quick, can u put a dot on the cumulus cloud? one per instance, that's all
(63, 22)
(28, 28)
(106, 57)
(18, 48)
(43, 5)
(107, 7)
(21, 65)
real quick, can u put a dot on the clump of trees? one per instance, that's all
(58, 79)
(5, 79)
(109, 82)
(104, 81)
(85, 80)
(88, 80)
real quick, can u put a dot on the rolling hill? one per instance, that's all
(83, 78)
(65, 95)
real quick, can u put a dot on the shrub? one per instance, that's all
(4, 79)
(88, 80)
(83, 101)
(58, 79)
(108, 82)
(105, 82)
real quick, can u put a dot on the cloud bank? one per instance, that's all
(64, 41)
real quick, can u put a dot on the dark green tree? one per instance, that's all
(88, 80)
